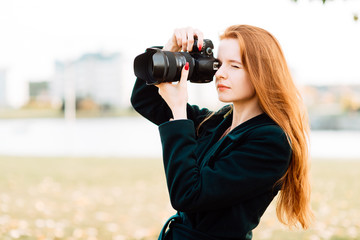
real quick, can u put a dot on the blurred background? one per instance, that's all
(76, 161)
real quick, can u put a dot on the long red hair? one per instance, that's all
(264, 61)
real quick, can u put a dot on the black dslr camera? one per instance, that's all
(157, 66)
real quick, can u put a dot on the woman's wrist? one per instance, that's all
(179, 113)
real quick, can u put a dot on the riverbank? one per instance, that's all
(126, 198)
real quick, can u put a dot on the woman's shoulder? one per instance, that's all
(270, 134)
(259, 127)
(269, 130)
(266, 126)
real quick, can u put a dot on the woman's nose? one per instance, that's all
(220, 74)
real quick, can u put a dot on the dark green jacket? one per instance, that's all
(220, 187)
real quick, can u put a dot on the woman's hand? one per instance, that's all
(175, 94)
(183, 39)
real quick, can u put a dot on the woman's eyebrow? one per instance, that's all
(234, 61)
(229, 61)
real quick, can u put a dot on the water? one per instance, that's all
(126, 137)
(121, 137)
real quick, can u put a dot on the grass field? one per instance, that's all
(120, 199)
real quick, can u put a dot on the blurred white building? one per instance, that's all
(94, 75)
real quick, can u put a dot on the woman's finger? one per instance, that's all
(190, 39)
(178, 37)
(200, 37)
(184, 75)
(184, 39)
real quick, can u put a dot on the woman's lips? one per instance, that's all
(222, 87)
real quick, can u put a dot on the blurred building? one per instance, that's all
(332, 99)
(3, 100)
(39, 94)
(94, 77)
(333, 107)
(38, 89)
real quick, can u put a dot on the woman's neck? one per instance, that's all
(244, 112)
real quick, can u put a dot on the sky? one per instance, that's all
(321, 42)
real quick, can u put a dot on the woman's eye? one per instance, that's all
(235, 66)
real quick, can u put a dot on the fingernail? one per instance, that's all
(200, 47)
(187, 66)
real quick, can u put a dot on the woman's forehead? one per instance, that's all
(229, 49)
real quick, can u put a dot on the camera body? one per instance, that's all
(157, 66)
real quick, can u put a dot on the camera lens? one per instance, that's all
(157, 66)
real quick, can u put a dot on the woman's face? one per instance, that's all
(232, 81)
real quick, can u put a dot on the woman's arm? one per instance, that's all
(146, 100)
(251, 168)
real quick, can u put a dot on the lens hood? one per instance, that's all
(143, 63)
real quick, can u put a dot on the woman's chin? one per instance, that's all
(223, 99)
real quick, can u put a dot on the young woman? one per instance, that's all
(224, 168)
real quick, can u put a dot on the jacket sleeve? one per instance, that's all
(251, 168)
(146, 100)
